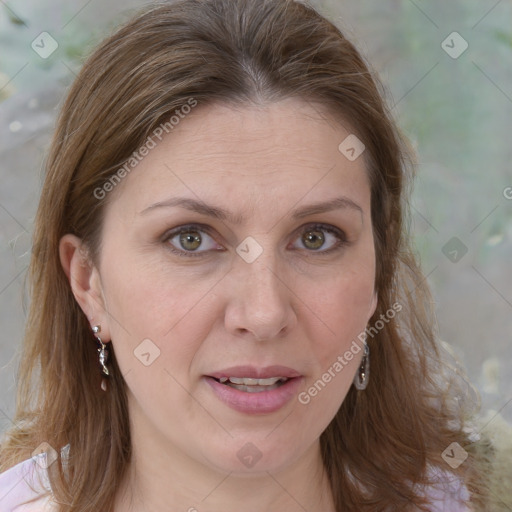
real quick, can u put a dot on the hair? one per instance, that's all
(379, 447)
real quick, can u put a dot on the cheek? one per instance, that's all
(147, 301)
(157, 332)
(345, 317)
(148, 292)
(338, 314)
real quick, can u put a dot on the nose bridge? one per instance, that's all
(261, 304)
(256, 259)
(262, 281)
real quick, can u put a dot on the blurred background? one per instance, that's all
(447, 68)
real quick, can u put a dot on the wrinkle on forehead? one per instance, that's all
(229, 153)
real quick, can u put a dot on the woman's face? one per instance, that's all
(240, 246)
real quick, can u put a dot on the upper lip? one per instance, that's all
(252, 372)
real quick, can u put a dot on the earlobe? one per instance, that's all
(83, 279)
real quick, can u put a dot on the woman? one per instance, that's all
(225, 309)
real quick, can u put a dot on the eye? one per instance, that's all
(322, 238)
(187, 240)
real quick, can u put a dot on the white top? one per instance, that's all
(23, 482)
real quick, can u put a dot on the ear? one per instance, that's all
(85, 282)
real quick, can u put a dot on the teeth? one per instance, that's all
(246, 381)
(252, 389)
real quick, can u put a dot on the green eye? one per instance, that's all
(313, 239)
(321, 238)
(190, 240)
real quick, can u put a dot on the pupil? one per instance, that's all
(314, 239)
(190, 241)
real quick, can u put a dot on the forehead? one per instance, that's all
(281, 151)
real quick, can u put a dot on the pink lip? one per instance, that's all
(256, 403)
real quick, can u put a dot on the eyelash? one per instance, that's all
(338, 233)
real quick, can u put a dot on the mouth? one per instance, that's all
(253, 390)
(250, 385)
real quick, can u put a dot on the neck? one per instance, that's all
(162, 477)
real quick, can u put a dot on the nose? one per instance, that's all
(260, 305)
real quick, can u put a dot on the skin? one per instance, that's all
(293, 306)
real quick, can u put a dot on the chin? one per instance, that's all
(248, 455)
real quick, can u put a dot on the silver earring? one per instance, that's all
(363, 373)
(103, 356)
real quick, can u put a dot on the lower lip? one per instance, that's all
(256, 403)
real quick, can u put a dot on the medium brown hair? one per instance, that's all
(381, 443)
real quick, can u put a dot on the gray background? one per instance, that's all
(456, 111)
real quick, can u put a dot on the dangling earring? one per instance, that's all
(103, 356)
(363, 373)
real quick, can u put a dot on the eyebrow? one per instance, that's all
(225, 215)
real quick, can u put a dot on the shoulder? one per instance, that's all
(24, 482)
(447, 493)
